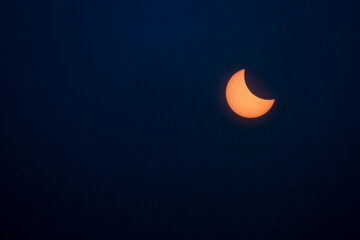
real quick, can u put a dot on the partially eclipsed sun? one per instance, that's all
(242, 101)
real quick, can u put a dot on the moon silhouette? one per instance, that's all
(242, 101)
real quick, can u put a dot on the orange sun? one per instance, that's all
(242, 101)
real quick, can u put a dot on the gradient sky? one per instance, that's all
(115, 125)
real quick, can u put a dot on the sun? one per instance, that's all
(242, 101)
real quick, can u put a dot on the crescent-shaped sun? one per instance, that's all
(242, 101)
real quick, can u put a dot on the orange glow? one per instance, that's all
(242, 101)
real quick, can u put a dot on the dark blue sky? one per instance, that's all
(115, 125)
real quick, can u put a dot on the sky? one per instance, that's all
(114, 123)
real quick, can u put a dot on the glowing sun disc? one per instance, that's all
(242, 101)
